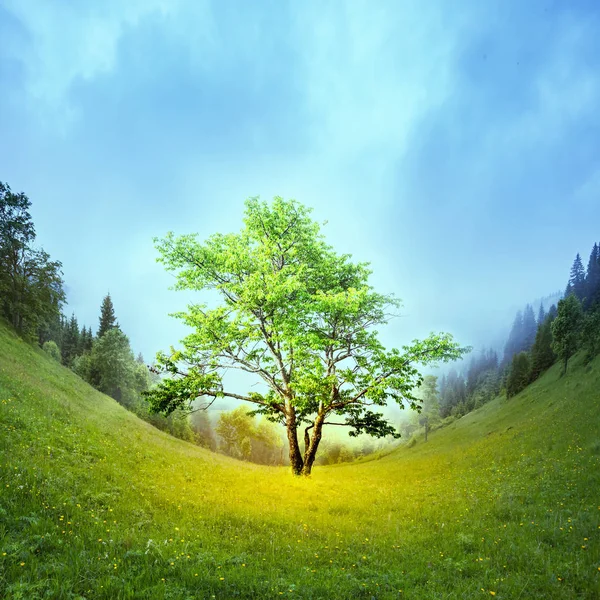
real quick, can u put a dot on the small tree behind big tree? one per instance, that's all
(298, 316)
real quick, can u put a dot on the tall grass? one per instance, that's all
(95, 503)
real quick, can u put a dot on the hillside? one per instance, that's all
(95, 503)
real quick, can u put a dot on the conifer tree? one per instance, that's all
(592, 279)
(70, 345)
(529, 328)
(107, 316)
(515, 339)
(542, 354)
(541, 315)
(519, 375)
(576, 283)
(566, 329)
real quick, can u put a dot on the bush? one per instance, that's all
(52, 350)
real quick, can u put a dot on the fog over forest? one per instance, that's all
(465, 171)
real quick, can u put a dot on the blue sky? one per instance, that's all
(456, 146)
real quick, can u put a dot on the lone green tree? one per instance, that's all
(566, 329)
(297, 316)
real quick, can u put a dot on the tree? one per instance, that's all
(590, 334)
(576, 283)
(31, 285)
(542, 354)
(236, 430)
(592, 278)
(108, 320)
(566, 329)
(514, 344)
(200, 424)
(430, 410)
(299, 317)
(519, 375)
(529, 328)
(52, 350)
(113, 363)
(541, 315)
(71, 342)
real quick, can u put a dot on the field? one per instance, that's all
(95, 503)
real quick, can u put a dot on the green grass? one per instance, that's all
(95, 503)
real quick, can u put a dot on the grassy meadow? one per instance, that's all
(95, 503)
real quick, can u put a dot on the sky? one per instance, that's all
(455, 146)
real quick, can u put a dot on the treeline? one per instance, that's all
(534, 344)
(32, 297)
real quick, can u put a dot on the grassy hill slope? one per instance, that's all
(95, 503)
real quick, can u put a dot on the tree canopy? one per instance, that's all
(31, 285)
(298, 316)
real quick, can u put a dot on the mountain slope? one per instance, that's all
(95, 503)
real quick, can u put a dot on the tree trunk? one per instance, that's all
(292, 435)
(311, 452)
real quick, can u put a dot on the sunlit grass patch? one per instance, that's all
(95, 503)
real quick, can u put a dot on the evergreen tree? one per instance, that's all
(70, 345)
(541, 315)
(514, 344)
(542, 354)
(529, 328)
(566, 329)
(114, 365)
(590, 335)
(107, 316)
(592, 279)
(519, 375)
(576, 283)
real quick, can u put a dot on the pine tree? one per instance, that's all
(566, 329)
(592, 279)
(107, 316)
(541, 315)
(70, 345)
(576, 283)
(529, 328)
(519, 375)
(542, 354)
(515, 339)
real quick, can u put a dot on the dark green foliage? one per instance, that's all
(519, 374)
(542, 354)
(108, 320)
(590, 334)
(592, 279)
(576, 283)
(566, 329)
(453, 392)
(31, 285)
(86, 340)
(70, 342)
